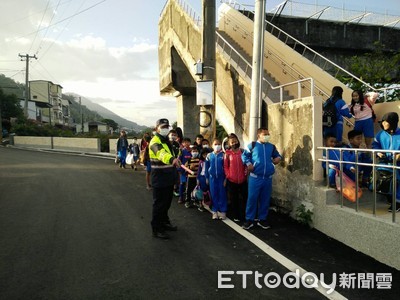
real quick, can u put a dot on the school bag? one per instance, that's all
(384, 178)
(329, 115)
(366, 101)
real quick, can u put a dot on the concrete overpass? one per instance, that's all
(180, 48)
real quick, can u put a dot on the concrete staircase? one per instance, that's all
(244, 62)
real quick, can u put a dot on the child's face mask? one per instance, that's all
(217, 148)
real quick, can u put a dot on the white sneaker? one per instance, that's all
(222, 216)
(214, 216)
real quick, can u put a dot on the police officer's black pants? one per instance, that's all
(162, 198)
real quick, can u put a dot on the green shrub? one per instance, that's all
(304, 216)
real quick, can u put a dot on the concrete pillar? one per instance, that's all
(208, 59)
(258, 69)
(188, 115)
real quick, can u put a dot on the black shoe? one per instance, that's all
(160, 235)
(170, 227)
(263, 224)
(247, 225)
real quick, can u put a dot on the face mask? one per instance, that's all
(235, 146)
(195, 154)
(217, 148)
(206, 146)
(172, 138)
(164, 131)
(266, 138)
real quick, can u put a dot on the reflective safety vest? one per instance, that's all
(161, 155)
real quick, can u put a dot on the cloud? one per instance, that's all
(123, 78)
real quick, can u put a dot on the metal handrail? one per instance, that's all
(374, 165)
(249, 68)
(189, 11)
(336, 14)
(299, 87)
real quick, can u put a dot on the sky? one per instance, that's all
(107, 49)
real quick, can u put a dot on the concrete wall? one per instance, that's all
(33, 141)
(336, 35)
(188, 116)
(73, 144)
(77, 144)
(176, 30)
(361, 231)
(295, 128)
(113, 145)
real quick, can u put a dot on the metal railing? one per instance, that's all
(245, 69)
(395, 169)
(316, 58)
(335, 14)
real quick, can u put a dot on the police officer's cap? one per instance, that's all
(162, 122)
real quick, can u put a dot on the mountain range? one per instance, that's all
(91, 104)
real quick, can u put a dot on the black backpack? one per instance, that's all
(329, 115)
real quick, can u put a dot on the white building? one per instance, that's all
(49, 106)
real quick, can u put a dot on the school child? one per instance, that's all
(192, 164)
(236, 176)
(201, 173)
(198, 141)
(336, 106)
(143, 144)
(355, 138)
(260, 157)
(389, 139)
(333, 155)
(122, 147)
(173, 139)
(205, 144)
(147, 165)
(364, 115)
(185, 155)
(215, 178)
(134, 149)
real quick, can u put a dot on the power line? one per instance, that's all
(51, 25)
(40, 24)
(27, 17)
(45, 34)
(61, 32)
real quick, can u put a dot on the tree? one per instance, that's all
(10, 106)
(377, 68)
(114, 125)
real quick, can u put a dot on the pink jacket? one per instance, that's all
(235, 170)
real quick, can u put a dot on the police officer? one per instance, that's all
(163, 168)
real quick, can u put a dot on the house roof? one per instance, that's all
(96, 123)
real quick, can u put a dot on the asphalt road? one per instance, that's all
(76, 227)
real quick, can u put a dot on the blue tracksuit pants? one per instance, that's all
(259, 198)
(218, 194)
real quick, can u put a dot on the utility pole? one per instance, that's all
(1, 119)
(80, 105)
(207, 112)
(27, 89)
(258, 69)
